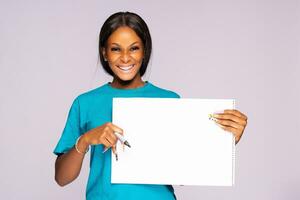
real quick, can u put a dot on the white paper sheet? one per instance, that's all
(173, 142)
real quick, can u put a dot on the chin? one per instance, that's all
(125, 78)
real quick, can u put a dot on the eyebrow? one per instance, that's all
(129, 45)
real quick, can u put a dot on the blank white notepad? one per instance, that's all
(173, 142)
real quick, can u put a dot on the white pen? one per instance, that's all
(122, 139)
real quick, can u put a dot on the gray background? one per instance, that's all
(248, 50)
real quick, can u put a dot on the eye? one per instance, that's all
(115, 49)
(134, 48)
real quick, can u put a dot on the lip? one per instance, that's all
(126, 68)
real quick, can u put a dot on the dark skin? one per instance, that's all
(232, 121)
(124, 53)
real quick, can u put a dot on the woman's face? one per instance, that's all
(124, 53)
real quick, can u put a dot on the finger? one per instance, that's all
(112, 137)
(230, 124)
(106, 143)
(229, 129)
(114, 149)
(236, 113)
(237, 134)
(110, 140)
(231, 117)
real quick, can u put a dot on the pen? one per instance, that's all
(122, 140)
(105, 149)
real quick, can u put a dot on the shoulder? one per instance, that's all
(164, 92)
(91, 95)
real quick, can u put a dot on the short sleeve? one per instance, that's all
(71, 131)
(175, 95)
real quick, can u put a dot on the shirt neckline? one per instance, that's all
(146, 85)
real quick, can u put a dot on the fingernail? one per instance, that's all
(211, 117)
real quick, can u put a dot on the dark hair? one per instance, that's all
(136, 23)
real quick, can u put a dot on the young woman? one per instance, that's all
(125, 48)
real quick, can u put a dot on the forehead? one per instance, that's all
(124, 36)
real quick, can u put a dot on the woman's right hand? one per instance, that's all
(103, 135)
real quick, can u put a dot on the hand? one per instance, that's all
(103, 135)
(233, 121)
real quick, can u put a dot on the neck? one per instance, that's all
(131, 84)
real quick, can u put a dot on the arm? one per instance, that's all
(68, 165)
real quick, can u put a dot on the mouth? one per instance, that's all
(126, 68)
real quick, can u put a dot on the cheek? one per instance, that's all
(112, 58)
(138, 57)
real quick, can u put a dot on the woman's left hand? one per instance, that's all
(233, 121)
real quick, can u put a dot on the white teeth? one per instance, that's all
(126, 68)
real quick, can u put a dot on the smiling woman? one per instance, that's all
(124, 54)
(125, 49)
(125, 45)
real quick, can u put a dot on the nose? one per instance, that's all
(125, 57)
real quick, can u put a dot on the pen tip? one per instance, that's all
(127, 144)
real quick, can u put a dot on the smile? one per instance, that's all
(125, 68)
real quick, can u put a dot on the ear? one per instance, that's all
(103, 51)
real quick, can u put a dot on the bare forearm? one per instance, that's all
(68, 165)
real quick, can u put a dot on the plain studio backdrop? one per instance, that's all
(247, 50)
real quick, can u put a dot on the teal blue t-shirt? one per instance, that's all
(92, 109)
